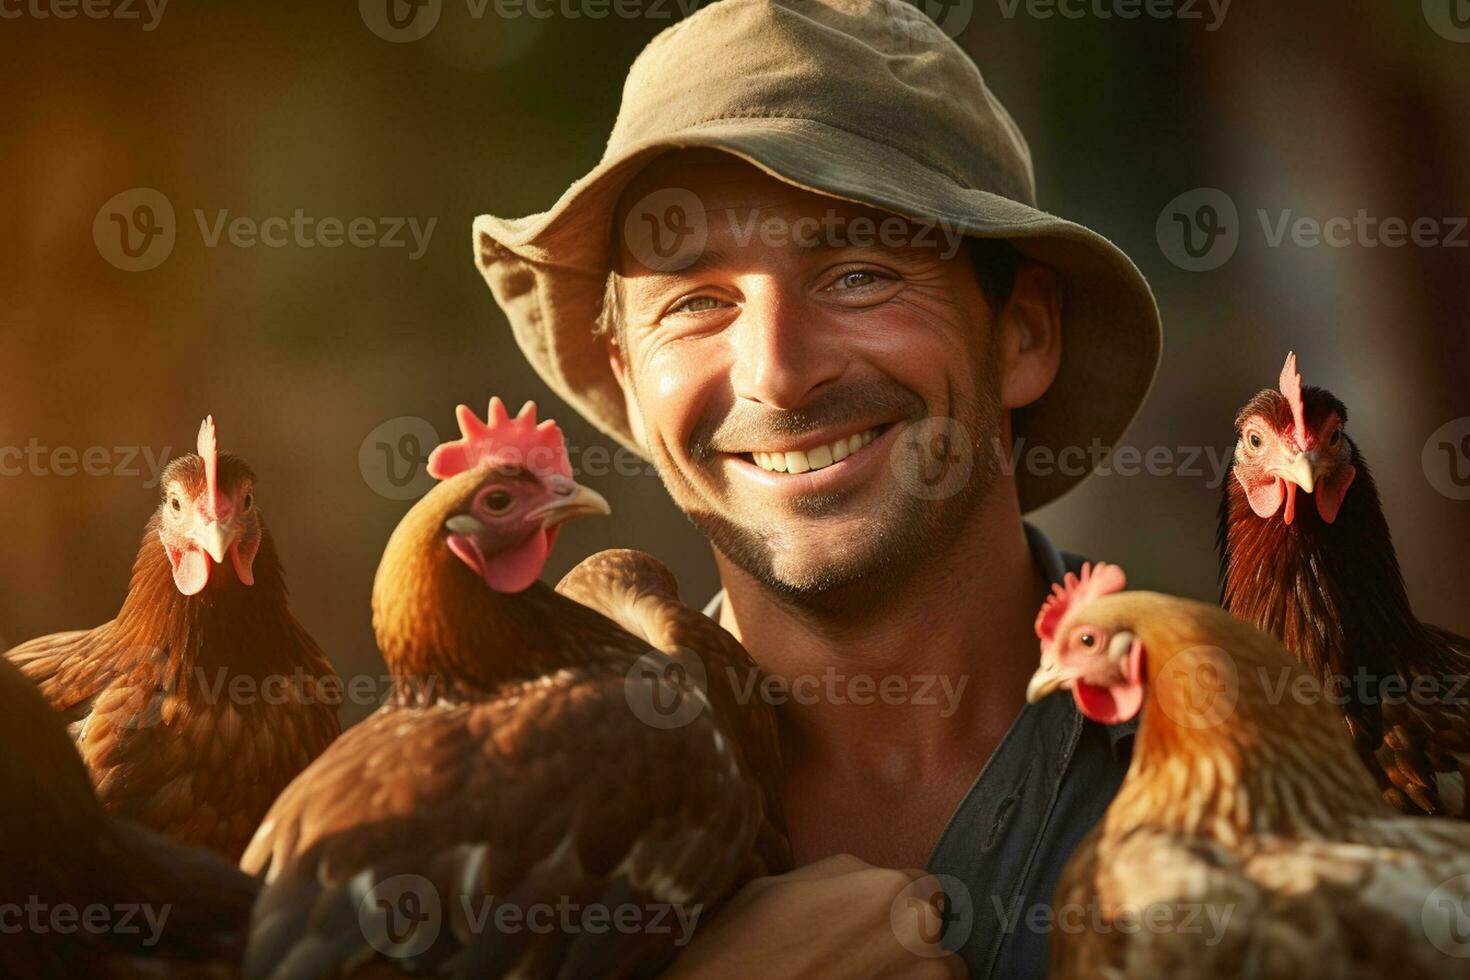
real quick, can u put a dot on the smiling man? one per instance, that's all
(808, 281)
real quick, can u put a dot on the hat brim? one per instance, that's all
(548, 272)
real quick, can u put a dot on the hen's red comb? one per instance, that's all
(1291, 387)
(519, 441)
(1075, 592)
(209, 452)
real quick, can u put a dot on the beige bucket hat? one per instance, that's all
(864, 100)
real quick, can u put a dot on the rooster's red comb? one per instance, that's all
(209, 452)
(1075, 592)
(1291, 387)
(519, 441)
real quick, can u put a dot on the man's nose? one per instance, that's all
(782, 351)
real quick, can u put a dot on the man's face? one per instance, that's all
(796, 337)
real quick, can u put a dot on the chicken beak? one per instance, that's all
(1048, 678)
(1302, 471)
(570, 500)
(215, 538)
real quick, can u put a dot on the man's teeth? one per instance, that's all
(797, 461)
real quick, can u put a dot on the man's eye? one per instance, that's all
(697, 304)
(856, 280)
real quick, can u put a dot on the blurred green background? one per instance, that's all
(301, 353)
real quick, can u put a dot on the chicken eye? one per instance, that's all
(1088, 640)
(1335, 438)
(249, 502)
(497, 501)
(174, 503)
(1254, 439)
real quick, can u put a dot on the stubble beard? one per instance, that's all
(906, 533)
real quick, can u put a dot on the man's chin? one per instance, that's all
(806, 558)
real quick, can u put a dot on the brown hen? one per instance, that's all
(197, 705)
(1306, 555)
(518, 807)
(1246, 840)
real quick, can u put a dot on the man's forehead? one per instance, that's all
(739, 207)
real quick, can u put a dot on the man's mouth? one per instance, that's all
(815, 457)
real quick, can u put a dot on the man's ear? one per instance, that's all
(630, 401)
(1030, 327)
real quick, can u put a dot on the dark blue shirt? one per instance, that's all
(1033, 800)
